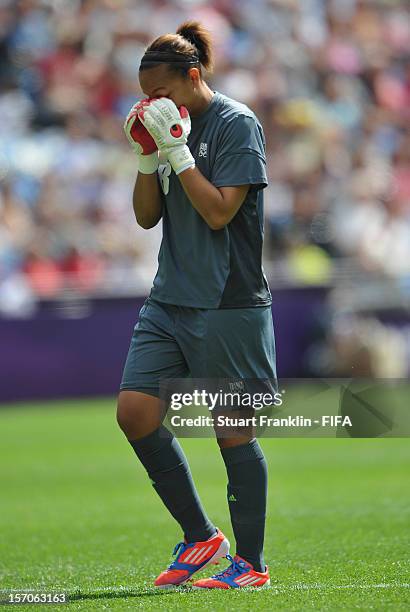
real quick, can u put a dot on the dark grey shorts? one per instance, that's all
(179, 342)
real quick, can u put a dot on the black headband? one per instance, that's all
(168, 57)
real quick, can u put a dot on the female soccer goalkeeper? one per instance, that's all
(209, 311)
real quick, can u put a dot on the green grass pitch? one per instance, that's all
(79, 514)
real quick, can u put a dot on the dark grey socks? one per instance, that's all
(167, 467)
(247, 493)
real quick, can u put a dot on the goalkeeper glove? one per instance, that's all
(170, 128)
(140, 140)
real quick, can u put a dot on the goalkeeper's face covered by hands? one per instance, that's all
(162, 82)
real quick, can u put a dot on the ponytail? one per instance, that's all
(200, 38)
(190, 46)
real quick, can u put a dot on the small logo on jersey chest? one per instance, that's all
(203, 150)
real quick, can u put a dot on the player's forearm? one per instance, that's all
(147, 200)
(205, 198)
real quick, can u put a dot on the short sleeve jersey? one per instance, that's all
(204, 268)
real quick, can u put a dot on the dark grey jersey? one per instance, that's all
(204, 268)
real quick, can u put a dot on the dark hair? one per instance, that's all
(192, 41)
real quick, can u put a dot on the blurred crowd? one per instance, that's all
(329, 80)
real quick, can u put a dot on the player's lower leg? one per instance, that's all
(167, 467)
(247, 492)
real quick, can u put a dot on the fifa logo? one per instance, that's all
(203, 149)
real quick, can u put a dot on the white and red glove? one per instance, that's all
(140, 140)
(170, 128)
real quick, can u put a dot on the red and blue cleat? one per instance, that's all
(238, 575)
(191, 558)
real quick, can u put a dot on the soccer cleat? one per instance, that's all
(192, 558)
(239, 574)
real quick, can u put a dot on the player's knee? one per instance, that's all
(127, 413)
(122, 414)
(137, 414)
